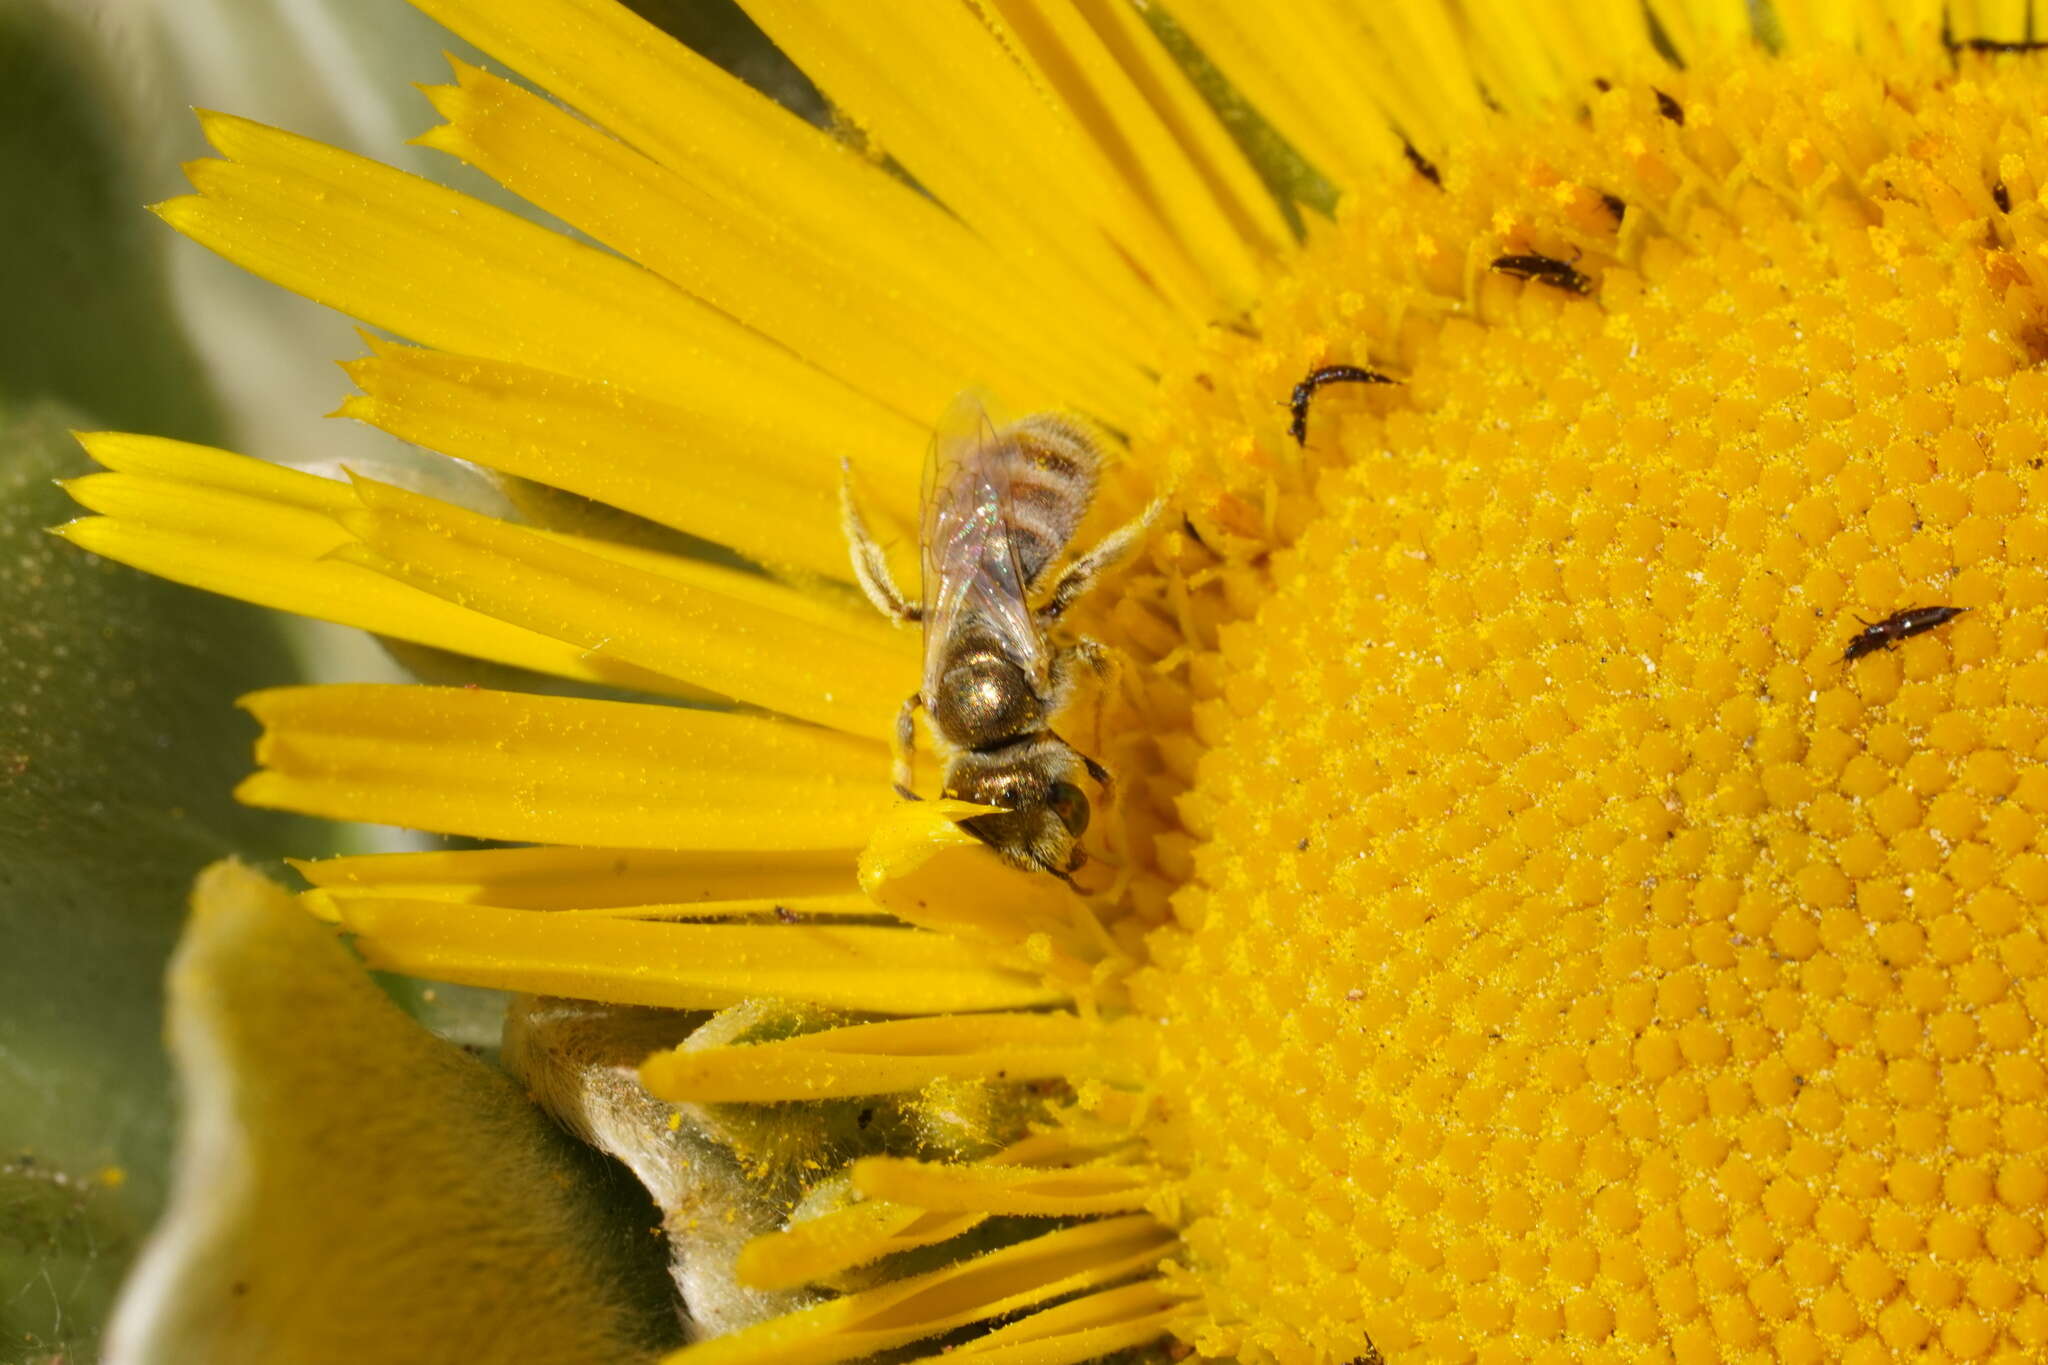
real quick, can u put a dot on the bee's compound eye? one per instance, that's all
(1070, 803)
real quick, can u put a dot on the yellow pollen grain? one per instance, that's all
(1573, 956)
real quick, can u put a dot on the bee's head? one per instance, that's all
(1043, 814)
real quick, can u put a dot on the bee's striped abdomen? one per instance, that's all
(1052, 481)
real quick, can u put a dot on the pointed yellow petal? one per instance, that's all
(860, 1233)
(1313, 74)
(500, 765)
(1094, 63)
(581, 878)
(857, 1235)
(798, 291)
(875, 1059)
(334, 904)
(600, 441)
(244, 528)
(792, 188)
(925, 869)
(128, 452)
(993, 1187)
(343, 593)
(945, 98)
(1091, 1327)
(681, 966)
(923, 1306)
(426, 262)
(736, 647)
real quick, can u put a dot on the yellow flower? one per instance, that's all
(1524, 933)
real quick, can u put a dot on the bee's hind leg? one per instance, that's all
(906, 747)
(1111, 550)
(870, 565)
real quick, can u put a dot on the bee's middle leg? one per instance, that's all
(1111, 550)
(901, 770)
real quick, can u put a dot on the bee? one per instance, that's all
(1001, 505)
(1900, 625)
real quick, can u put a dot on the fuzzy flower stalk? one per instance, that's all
(1534, 917)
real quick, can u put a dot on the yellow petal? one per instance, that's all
(241, 527)
(1092, 1327)
(437, 266)
(345, 594)
(922, 1306)
(860, 1233)
(800, 292)
(857, 1235)
(682, 966)
(945, 98)
(875, 1059)
(501, 765)
(662, 622)
(335, 904)
(925, 869)
(1111, 75)
(791, 187)
(1310, 68)
(128, 452)
(993, 1187)
(582, 878)
(342, 1179)
(618, 447)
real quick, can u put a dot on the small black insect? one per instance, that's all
(1297, 406)
(1900, 625)
(1424, 167)
(1614, 204)
(1669, 107)
(1544, 270)
(2001, 196)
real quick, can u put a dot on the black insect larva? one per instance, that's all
(1305, 391)
(1900, 625)
(1544, 270)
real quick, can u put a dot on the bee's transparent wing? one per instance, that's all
(970, 557)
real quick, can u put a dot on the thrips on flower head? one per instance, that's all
(1544, 270)
(1900, 625)
(1305, 392)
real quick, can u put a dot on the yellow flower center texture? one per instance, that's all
(1574, 956)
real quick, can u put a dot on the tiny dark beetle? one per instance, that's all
(1900, 625)
(1305, 391)
(1669, 107)
(1544, 270)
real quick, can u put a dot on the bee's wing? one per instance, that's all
(970, 557)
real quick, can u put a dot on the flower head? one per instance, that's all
(1521, 931)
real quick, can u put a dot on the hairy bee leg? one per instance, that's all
(870, 565)
(902, 761)
(1108, 552)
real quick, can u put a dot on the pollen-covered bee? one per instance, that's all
(1001, 504)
